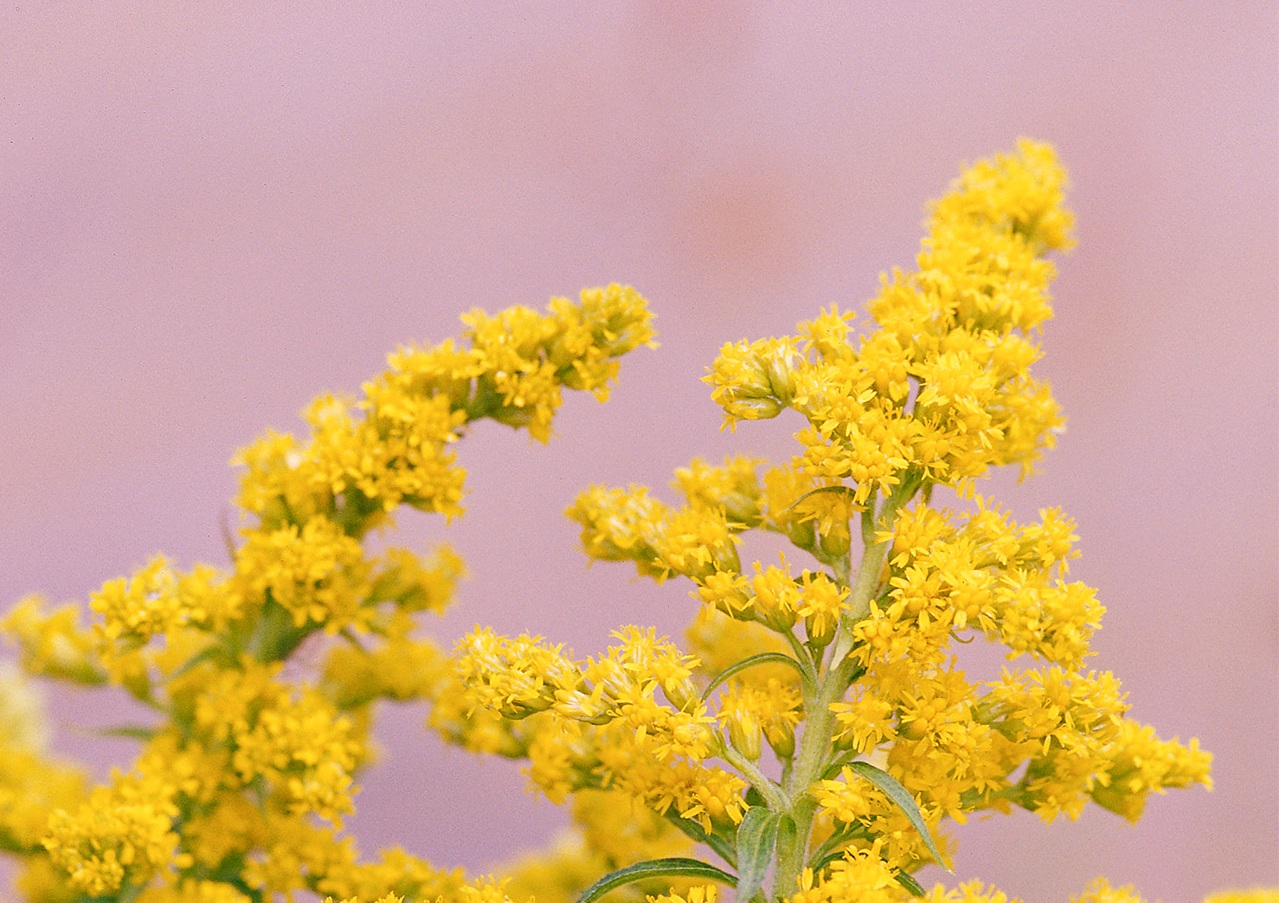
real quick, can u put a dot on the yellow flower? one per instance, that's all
(701, 893)
(1100, 891)
(31, 787)
(53, 643)
(860, 876)
(316, 572)
(123, 834)
(969, 892)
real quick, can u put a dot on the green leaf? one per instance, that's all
(786, 831)
(823, 861)
(832, 847)
(821, 490)
(834, 768)
(673, 867)
(745, 663)
(904, 801)
(131, 731)
(756, 836)
(204, 655)
(905, 880)
(695, 831)
(787, 847)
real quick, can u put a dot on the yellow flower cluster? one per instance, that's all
(601, 723)
(896, 739)
(32, 785)
(941, 389)
(53, 643)
(242, 782)
(120, 834)
(262, 678)
(394, 446)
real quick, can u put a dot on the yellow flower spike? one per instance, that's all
(867, 722)
(143, 605)
(1022, 191)
(31, 787)
(776, 599)
(1140, 764)
(847, 799)
(827, 333)
(524, 356)
(695, 543)
(728, 592)
(858, 875)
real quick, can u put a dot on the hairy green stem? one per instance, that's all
(816, 743)
(772, 794)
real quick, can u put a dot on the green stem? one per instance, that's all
(275, 636)
(805, 659)
(772, 794)
(815, 745)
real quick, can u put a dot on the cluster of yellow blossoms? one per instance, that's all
(845, 667)
(819, 729)
(251, 759)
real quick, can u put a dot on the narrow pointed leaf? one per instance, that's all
(786, 831)
(695, 831)
(907, 881)
(204, 655)
(821, 490)
(133, 732)
(674, 867)
(756, 836)
(823, 861)
(787, 840)
(745, 663)
(834, 768)
(904, 801)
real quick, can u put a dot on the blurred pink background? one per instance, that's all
(210, 213)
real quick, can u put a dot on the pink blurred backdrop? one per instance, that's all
(209, 213)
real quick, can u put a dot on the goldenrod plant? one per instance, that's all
(814, 740)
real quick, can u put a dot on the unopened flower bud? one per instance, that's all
(744, 735)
